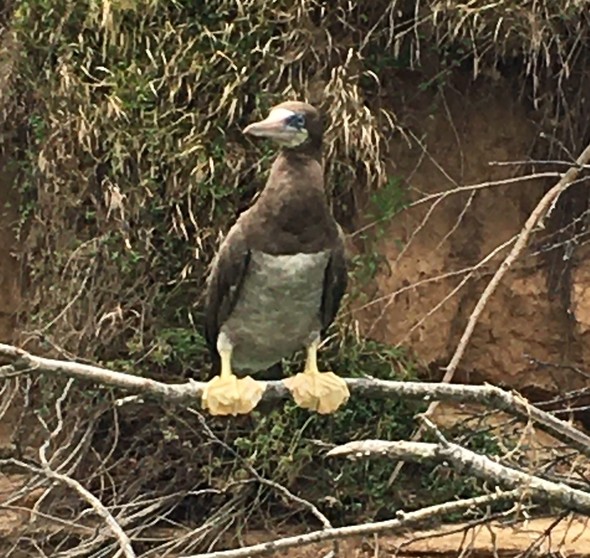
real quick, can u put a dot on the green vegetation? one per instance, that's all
(122, 120)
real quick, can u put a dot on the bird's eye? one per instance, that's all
(296, 121)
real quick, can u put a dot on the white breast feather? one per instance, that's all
(290, 264)
(278, 310)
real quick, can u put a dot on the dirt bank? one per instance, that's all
(423, 295)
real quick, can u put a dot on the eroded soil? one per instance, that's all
(419, 299)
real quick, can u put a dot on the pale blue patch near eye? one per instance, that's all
(296, 121)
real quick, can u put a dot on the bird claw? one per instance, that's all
(230, 395)
(323, 392)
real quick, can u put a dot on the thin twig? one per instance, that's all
(91, 499)
(537, 162)
(99, 509)
(460, 189)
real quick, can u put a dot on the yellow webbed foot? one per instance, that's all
(230, 395)
(227, 394)
(323, 392)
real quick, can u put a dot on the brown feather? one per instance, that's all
(335, 283)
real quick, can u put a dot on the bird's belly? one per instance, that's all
(278, 311)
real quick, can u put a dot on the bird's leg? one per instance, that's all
(323, 392)
(227, 394)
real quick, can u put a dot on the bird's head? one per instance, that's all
(291, 124)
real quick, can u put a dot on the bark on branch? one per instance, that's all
(190, 393)
(463, 459)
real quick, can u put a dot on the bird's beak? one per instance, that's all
(271, 127)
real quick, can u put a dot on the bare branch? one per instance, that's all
(484, 185)
(401, 523)
(99, 509)
(537, 162)
(536, 217)
(91, 499)
(464, 459)
(191, 392)
(95, 503)
(459, 190)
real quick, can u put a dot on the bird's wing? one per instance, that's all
(224, 283)
(335, 283)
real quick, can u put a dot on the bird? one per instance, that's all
(276, 283)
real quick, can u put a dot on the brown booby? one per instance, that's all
(277, 280)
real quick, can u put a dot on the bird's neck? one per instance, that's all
(296, 179)
(294, 206)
